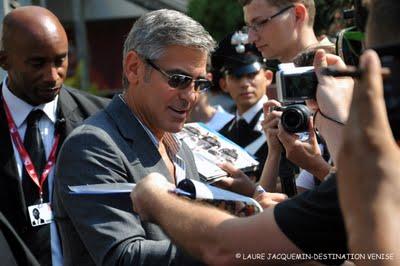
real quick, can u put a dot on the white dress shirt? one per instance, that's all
(219, 119)
(255, 145)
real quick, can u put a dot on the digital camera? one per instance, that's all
(295, 84)
(294, 117)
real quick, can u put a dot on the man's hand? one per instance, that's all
(333, 96)
(270, 125)
(237, 181)
(146, 191)
(333, 99)
(368, 167)
(306, 155)
(240, 183)
(267, 200)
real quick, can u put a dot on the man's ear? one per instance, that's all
(301, 13)
(131, 67)
(4, 60)
(223, 85)
(269, 75)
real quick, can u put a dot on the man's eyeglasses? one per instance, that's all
(256, 26)
(181, 82)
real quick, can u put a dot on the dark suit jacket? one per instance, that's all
(110, 147)
(13, 251)
(74, 106)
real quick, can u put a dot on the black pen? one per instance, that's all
(350, 72)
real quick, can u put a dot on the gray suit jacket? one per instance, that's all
(109, 147)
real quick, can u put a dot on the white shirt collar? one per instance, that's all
(20, 109)
(249, 114)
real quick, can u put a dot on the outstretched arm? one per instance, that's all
(207, 233)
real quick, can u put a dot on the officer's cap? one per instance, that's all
(235, 56)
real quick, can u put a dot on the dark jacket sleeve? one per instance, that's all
(12, 249)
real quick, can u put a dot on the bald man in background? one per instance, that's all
(37, 112)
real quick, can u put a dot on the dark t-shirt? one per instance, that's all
(314, 223)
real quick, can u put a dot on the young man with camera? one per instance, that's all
(282, 30)
(290, 128)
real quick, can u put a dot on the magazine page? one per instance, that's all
(106, 188)
(209, 148)
(234, 203)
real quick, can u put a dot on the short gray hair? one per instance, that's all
(153, 32)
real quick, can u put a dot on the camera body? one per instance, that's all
(295, 84)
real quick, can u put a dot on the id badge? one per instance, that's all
(40, 214)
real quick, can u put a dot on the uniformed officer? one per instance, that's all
(239, 70)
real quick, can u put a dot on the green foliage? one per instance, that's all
(219, 17)
(75, 81)
(354, 35)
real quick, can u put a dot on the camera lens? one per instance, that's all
(295, 118)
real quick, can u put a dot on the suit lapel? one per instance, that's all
(141, 144)
(68, 113)
(68, 109)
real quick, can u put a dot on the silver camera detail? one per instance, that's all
(295, 84)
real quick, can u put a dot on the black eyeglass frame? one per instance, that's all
(185, 80)
(256, 26)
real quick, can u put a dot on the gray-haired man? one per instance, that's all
(164, 62)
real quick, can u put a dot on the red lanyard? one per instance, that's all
(26, 159)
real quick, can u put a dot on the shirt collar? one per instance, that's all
(249, 114)
(20, 109)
